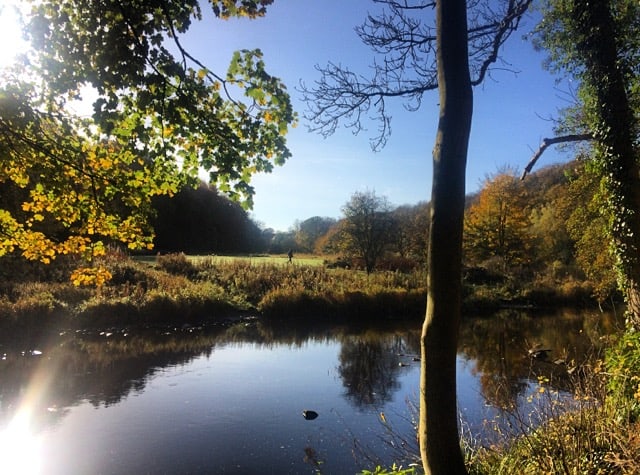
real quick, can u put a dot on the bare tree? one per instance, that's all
(368, 226)
(404, 37)
(451, 55)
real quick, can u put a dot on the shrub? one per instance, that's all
(394, 470)
(16, 268)
(176, 264)
(623, 365)
(397, 263)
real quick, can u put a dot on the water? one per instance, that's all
(230, 399)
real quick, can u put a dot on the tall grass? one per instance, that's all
(178, 289)
(298, 290)
(596, 431)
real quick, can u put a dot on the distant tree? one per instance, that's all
(551, 240)
(281, 242)
(497, 225)
(546, 192)
(412, 229)
(330, 242)
(587, 225)
(266, 236)
(368, 227)
(201, 220)
(310, 230)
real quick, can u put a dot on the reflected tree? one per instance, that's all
(499, 346)
(369, 368)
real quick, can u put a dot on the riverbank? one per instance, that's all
(174, 289)
(594, 432)
(177, 290)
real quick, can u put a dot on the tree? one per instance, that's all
(496, 226)
(587, 225)
(419, 58)
(597, 43)
(158, 118)
(410, 237)
(310, 230)
(554, 247)
(281, 242)
(367, 227)
(330, 242)
(200, 220)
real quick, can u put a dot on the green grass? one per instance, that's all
(300, 260)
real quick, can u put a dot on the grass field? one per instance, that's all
(301, 259)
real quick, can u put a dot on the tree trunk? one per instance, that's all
(438, 429)
(614, 133)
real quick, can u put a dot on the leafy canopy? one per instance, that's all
(496, 225)
(71, 184)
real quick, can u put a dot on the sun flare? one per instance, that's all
(11, 41)
(19, 448)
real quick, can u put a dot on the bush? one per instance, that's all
(15, 268)
(397, 263)
(623, 365)
(177, 264)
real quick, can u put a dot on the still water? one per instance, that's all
(230, 399)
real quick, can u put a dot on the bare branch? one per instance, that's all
(500, 31)
(402, 37)
(546, 143)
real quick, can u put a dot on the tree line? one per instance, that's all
(546, 228)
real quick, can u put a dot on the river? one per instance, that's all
(230, 398)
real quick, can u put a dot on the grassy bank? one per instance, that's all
(176, 289)
(179, 290)
(595, 432)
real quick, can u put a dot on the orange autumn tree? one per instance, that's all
(496, 226)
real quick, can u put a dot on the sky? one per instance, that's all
(512, 111)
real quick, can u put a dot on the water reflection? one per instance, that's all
(267, 373)
(369, 367)
(501, 349)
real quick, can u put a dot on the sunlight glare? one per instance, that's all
(19, 448)
(11, 42)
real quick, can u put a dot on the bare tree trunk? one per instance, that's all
(438, 430)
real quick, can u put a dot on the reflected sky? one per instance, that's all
(230, 400)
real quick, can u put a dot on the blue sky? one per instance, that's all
(511, 112)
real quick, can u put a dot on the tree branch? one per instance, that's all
(403, 38)
(501, 30)
(546, 143)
